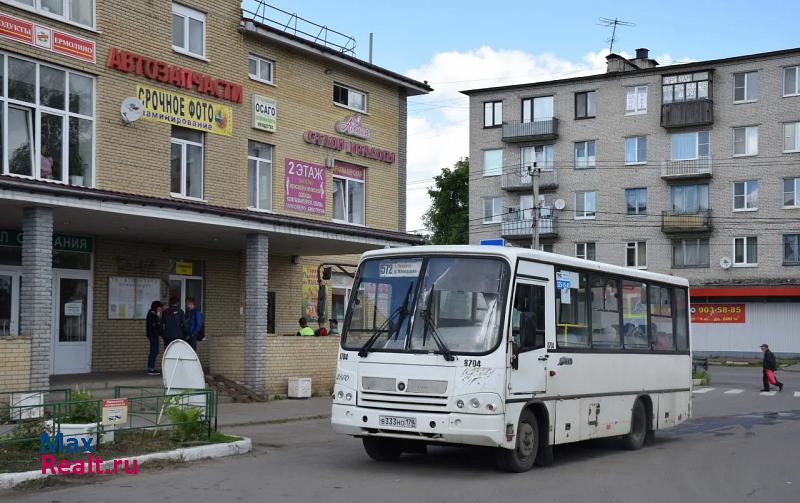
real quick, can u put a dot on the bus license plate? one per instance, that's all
(397, 422)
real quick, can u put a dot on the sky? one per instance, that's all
(457, 45)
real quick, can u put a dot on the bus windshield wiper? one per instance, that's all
(402, 310)
(435, 335)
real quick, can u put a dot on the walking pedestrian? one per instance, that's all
(154, 333)
(173, 322)
(769, 365)
(195, 323)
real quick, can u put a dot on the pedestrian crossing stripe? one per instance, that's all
(734, 391)
(768, 393)
(702, 390)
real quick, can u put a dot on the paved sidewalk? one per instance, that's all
(276, 411)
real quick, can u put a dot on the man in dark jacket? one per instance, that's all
(154, 333)
(173, 321)
(769, 363)
(195, 324)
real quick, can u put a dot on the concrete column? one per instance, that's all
(256, 312)
(36, 292)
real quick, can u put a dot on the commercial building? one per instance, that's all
(690, 169)
(167, 149)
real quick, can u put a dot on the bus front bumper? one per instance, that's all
(454, 428)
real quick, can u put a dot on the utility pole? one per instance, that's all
(534, 171)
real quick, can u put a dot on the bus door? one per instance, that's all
(530, 317)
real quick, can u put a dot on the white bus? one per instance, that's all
(509, 348)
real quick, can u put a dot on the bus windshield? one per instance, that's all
(407, 303)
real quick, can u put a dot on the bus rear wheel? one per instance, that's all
(635, 439)
(383, 449)
(522, 457)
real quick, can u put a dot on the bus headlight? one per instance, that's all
(479, 403)
(344, 395)
(460, 404)
(474, 403)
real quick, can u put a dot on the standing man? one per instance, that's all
(770, 365)
(195, 323)
(334, 323)
(154, 333)
(305, 330)
(173, 322)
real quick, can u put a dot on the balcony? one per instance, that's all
(683, 222)
(515, 227)
(520, 180)
(540, 130)
(687, 113)
(690, 168)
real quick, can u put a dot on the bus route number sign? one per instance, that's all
(394, 269)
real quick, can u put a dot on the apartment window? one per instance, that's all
(745, 251)
(689, 198)
(636, 201)
(791, 192)
(188, 31)
(492, 162)
(584, 154)
(492, 210)
(791, 81)
(585, 105)
(636, 100)
(541, 154)
(791, 137)
(49, 122)
(745, 87)
(79, 12)
(686, 87)
(546, 247)
(791, 249)
(636, 254)
(690, 146)
(690, 253)
(350, 98)
(745, 141)
(492, 113)
(260, 69)
(585, 251)
(259, 175)
(636, 150)
(745, 195)
(187, 163)
(585, 204)
(349, 197)
(537, 109)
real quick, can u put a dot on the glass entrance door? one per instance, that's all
(9, 302)
(71, 323)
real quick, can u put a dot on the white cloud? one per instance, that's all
(438, 132)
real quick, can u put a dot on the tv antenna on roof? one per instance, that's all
(613, 23)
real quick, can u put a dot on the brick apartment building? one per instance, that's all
(259, 154)
(687, 169)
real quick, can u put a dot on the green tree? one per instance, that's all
(447, 219)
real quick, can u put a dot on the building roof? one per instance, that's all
(254, 27)
(660, 69)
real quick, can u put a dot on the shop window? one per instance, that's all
(634, 315)
(260, 69)
(605, 312)
(350, 98)
(186, 163)
(661, 318)
(259, 175)
(572, 312)
(80, 12)
(348, 199)
(54, 113)
(188, 31)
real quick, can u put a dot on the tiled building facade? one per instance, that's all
(259, 155)
(687, 169)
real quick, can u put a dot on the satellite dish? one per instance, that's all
(559, 204)
(725, 262)
(131, 109)
(180, 367)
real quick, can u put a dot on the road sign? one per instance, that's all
(493, 242)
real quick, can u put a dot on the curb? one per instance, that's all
(10, 480)
(275, 421)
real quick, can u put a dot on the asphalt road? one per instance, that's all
(740, 446)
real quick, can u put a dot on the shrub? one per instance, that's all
(81, 409)
(187, 422)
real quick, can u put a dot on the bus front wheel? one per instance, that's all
(383, 449)
(635, 439)
(521, 458)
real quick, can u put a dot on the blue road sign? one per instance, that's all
(493, 242)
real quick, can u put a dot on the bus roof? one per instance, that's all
(511, 254)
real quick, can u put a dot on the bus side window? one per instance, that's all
(527, 319)
(681, 325)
